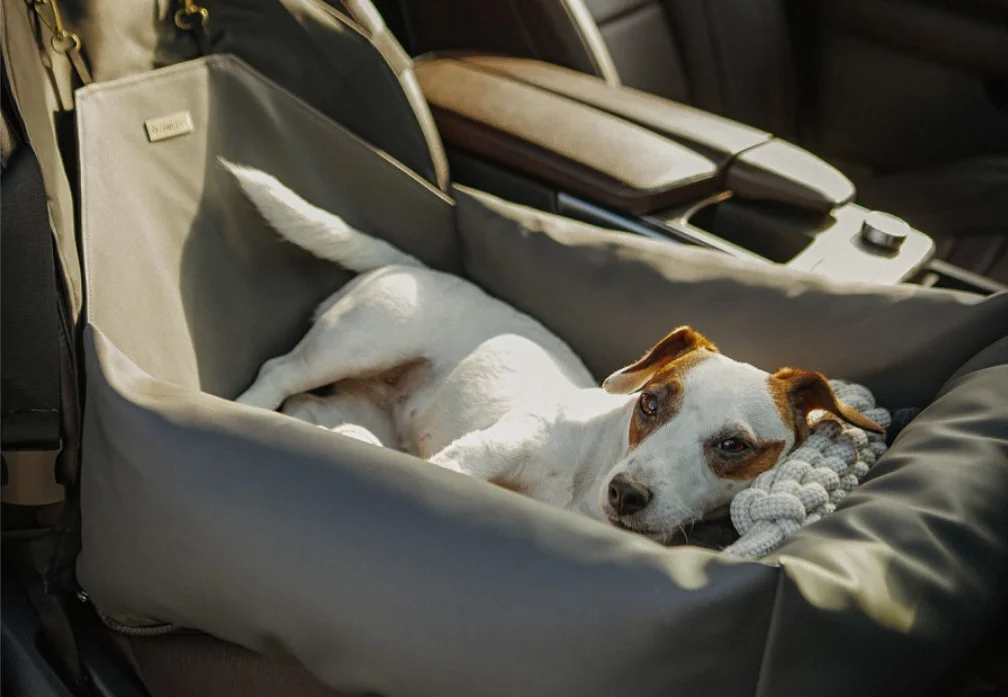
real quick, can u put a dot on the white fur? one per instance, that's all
(495, 395)
(720, 395)
(347, 413)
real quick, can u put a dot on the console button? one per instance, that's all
(884, 230)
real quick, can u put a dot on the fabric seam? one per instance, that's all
(771, 627)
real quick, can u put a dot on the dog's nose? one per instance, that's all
(627, 496)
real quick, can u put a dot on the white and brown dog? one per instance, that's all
(452, 375)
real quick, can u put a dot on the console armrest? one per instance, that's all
(754, 163)
(579, 148)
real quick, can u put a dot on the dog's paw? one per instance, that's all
(257, 398)
(357, 433)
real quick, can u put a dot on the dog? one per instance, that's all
(346, 412)
(474, 386)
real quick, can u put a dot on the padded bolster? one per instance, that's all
(382, 574)
(779, 171)
(577, 148)
(756, 164)
(719, 137)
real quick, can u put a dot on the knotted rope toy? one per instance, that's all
(811, 481)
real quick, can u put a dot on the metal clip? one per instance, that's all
(194, 18)
(189, 14)
(63, 41)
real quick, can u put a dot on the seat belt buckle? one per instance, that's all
(29, 478)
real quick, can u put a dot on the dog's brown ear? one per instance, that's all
(806, 391)
(675, 345)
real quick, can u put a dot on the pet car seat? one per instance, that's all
(237, 551)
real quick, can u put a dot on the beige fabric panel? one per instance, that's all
(161, 216)
(612, 294)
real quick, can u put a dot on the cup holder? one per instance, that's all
(775, 232)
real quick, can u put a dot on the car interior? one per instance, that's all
(906, 99)
(823, 182)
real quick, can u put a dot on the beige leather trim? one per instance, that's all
(591, 37)
(373, 26)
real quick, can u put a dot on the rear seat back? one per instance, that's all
(728, 57)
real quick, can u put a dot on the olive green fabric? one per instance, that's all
(380, 573)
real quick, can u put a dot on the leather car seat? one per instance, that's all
(728, 57)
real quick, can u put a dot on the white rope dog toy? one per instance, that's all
(808, 484)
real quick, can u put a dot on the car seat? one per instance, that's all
(738, 59)
(342, 568)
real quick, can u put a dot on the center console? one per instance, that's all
(570, 143)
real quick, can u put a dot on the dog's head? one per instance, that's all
(703, 426)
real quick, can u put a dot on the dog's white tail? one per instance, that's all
(317, 231)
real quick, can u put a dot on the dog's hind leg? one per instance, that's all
(354, 338)
(345, 412)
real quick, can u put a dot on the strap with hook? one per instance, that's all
(62, 40)
(194, 18)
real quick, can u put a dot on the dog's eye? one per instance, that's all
(732, 446)
(648, 404)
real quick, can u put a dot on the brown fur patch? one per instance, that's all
(667, 386)
(805, 391)
(781, 392)
(381, 385)
(509, 483)
(676, 345)
(763, 457)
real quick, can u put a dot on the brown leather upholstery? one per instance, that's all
(735, 58)
(732, 58)
(575, 147)
(556, 31)
(725, 56)
(754, 163)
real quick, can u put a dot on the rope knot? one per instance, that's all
(809, 483)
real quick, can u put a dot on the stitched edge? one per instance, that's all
(771, 627)
(235, 65)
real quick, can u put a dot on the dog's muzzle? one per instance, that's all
(626, 496)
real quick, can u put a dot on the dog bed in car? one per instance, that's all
(382, 574)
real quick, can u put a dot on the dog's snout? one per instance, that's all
(627, 496)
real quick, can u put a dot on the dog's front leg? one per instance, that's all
(503, 453)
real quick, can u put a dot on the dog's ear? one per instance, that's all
(676, 344)
(805, 391)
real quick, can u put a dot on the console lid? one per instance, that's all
(577, 147)
(754, 164)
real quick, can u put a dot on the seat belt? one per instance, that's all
(30, 334)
